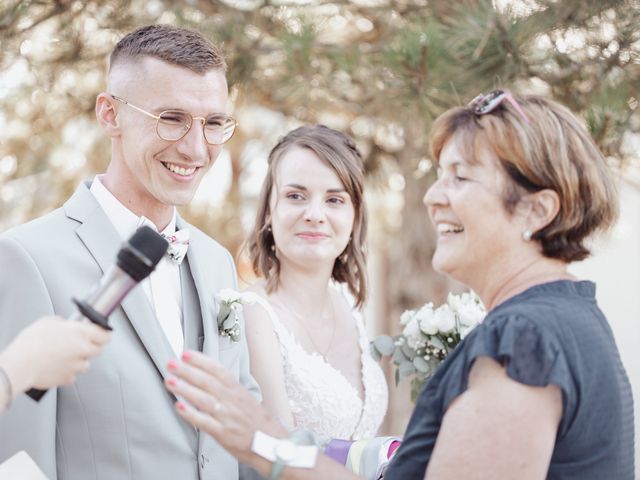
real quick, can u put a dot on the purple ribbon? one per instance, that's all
(338, 450)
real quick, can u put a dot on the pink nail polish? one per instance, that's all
(173, 381)
(186, 356)
(172, 365)
(181, 406)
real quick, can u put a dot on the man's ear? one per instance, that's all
(544, 207)
(107, 115)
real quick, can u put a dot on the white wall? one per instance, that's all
(615, 267)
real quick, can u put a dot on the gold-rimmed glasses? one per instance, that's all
(172, 125)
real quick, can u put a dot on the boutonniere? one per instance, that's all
(230, 304)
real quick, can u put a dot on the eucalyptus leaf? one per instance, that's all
(374, 352)
(385, 345)
(408, 351)
(406, 369)
(398, 356)
(229, 322)
(433, 363)
(224, 311)
(436, 342)
(421, 365)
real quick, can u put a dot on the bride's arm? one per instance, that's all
(266, 362)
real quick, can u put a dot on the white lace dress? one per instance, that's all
(321, 399)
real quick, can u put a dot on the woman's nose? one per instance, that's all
(314, 212)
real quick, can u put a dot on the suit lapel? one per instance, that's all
(205, 288)
(103, 242)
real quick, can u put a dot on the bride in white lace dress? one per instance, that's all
(308, 346)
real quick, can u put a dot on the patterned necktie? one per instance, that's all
(178, 245)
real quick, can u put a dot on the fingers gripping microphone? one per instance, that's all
(136, 260)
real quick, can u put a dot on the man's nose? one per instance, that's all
(194, 144)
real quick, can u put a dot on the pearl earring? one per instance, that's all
(526, 235)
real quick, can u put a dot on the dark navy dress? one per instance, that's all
(552, 333)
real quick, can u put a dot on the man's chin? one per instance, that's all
(179, 199)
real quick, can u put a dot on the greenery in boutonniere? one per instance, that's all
(230, 304)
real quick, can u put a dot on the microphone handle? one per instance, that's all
(111, 290)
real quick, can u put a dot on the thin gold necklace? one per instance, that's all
(300, 320)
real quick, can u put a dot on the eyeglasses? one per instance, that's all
(172, 125)
(487, 103)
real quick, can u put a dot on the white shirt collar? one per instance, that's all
(124, 220)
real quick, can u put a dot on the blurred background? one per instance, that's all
(380, 70)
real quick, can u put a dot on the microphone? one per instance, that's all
(136, 260)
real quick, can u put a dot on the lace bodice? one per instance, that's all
(321, 399)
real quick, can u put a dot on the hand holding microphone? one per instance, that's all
(135, 261)
(49, 352)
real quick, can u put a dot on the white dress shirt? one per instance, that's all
(162, 287)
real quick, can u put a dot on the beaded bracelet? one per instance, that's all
(4, 378)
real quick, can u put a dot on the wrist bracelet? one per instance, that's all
(4, 379)
(299, 450)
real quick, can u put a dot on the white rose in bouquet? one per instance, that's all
(445, 319)
(412, 332)
(426, 318)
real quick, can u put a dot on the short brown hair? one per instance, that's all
(175, 45)
(549, 149)
(339, 152)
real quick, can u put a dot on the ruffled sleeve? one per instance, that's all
(528, 349)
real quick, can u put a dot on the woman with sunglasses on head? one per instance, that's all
(537, 390)
(307, 342)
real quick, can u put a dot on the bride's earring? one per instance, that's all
(526, 235)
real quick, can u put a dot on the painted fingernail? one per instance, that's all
(173, 381)
(172, 365)
(186, 356)
(181, 406)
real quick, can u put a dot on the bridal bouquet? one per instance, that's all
(428, 336)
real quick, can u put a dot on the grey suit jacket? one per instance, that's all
(117, 421)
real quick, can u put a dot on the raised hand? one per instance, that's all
(215, 403)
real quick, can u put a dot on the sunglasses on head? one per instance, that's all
(488, 102)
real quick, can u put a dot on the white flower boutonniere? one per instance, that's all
(230, 304)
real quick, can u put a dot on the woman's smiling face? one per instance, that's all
(312, 213)
(474, 229)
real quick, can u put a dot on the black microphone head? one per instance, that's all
(142, 252)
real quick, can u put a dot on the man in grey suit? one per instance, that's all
(164, 112)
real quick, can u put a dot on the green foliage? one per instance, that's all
(382, 73)
(298, 46)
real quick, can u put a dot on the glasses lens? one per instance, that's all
(173, 125)
(219, 128)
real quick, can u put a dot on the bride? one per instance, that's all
(308, 346)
